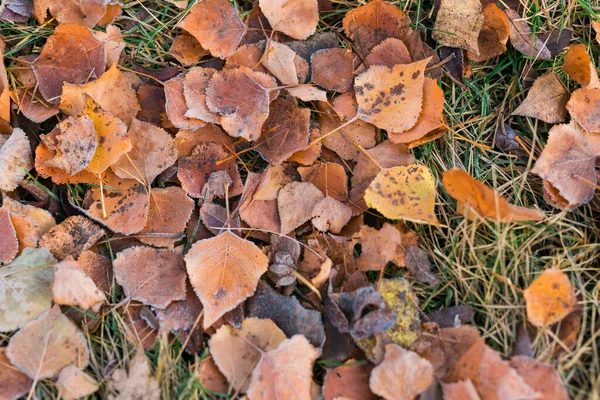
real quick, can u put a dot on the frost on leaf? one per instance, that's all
(15, 159)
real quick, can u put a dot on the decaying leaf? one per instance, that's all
(216, 25)
(71, 237)
(417, 262)
(549, 298)
(87, 12)
(584, 107)
(210, 377)
(137, 382)
(186, 49)
(493, 35)
(391, 98)
(295, 18)
(523, 39)
(73, 383)
(9, 243)
(224, 271)
(379, 247)
(546, 100)
(402, 375)
(71, 286)
(236, 352)
(349, 381)
(13, 383)
(284, 372)
(404, 192)
(296, 203)
(47, 345)
(460, 390)
(151, 276)
(194, 90)
(331, 215)
(390, 52)
(458, 24)
(176, 106)
(568, 164)
(15, 159)
(44, 220)
(260, 214)
(541, 377)
(579, 66)
(97, 267)
(485, 201)
(332, 69)
(329, 178)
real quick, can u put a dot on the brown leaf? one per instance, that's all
(331, 215)
(73, 383)
(458, 24)
(186, 49)
(372, 23)
(379, 247)
(284, 64)
(86, 13)
(113, 42)
(295, 18)
(285, 372)
(550, 298)
(491, 376)
(296, 202)
(523, 39)
(72, 54)
(584, 107)
(332, 69)
(220, 276)
(140, 326)
(210, 377)
(541, 377)
(391, 98)
(348, 381)
(259, 214)
(71, 286)
(546, 100)
(137, 382)
(461, 390)
(273, 178)
(579, 66)
(71, 237)
(493, 35)
(97, 267)
(47, 345)
(176, 106)
(485, 201)
(236, 352)
(312, 153)
(15, 159)
(152, 104)
(284, 132)
(43, 218)
(154, 277)
(152, 152)
(417, 262)
(390, 52)
(34, 108)
(9, 244)
(216, 25)
(112, 91)
(215, 219)
(13, 383)
(568, 164)
(186, 141)
(242, 102)
(194, 89)
(182, 315)
(401, 375)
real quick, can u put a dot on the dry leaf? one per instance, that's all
(568, 164)
(194, 90)
(461, 390)
(404, 192)
(329, 178)
(216, 25)
(71, 286)
(550, 298)
(379, 247)
(281, 61)
(296, 202)
(97, 267)
(26, 230)
(152, 152)
(584, 107)
(272, 180)
(180, 317)
(87, 12)
(391, 98)
(15, 159)
(47, 345)
(71, 237)
(332, 69)
(236, 352)
(154, 277)
(484, 200)
(295, 18)
(348, 381)
(259, 214)
(546, 100)
(137, 382)
(220, 278)
(216, 219)
(541, 377)
(401, 375)
(418, 264)
(523, 39)
(493, 35)
(331, 215)
(33, 108)
(9, 244)
(73, 383)
(43, 218)
(113, 42)
(13, 383)
(390, 52)
(458, 24)
(285, 372)
(186, 49)
(579, 66)
(176, 106)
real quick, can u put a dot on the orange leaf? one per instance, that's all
(493, 35)
(85, 12)
(579, 66)
(295, 18)
(549, 298)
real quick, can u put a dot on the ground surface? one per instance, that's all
(482, 264)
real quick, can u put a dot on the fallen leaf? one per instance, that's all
(137, 382)
(43, 218)
(43, 347)
(284, 372)
(568, 164)
(86, 13)
(372, 23)
(15, 159)
(140, 326)
(458, 24)
(194, 90)
(484, 200)
(242, 102)
(26, 231)
(404, 192)
(13, 383)
(461, 390)
(332, 69)
(295, 18)
(210, 377)
(557, 40)
(97, 267)
(219, 277)
(391, 98)
(284, 132)
(112, 12)
(329, 178)
(452, 316)
(215, 219)
(259, 214)
(348, 381)
(71, 237)
(73, 383)
(379, 247)
(390, 52)
(546, 100)
(152, 104)
(186, 141)
(181, 317)
(296, 202)
(330, 215)
(289, 315)
(176, 106)
(71, 286)
(541, 377)
(401, 375)
(112, 91)
(284, 64)
(584, 106)
(237, 351)
(492, 377)
(493, 36)
(550, 298)
(273, 178)
(114, 44)
(216, 25)
(525, 41)
(579, 66)
(9, 244)
(34, 108)
(186, 49)
(417, 262)
(154, 277)
(312, 153)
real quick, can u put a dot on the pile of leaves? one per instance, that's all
(258, 199)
